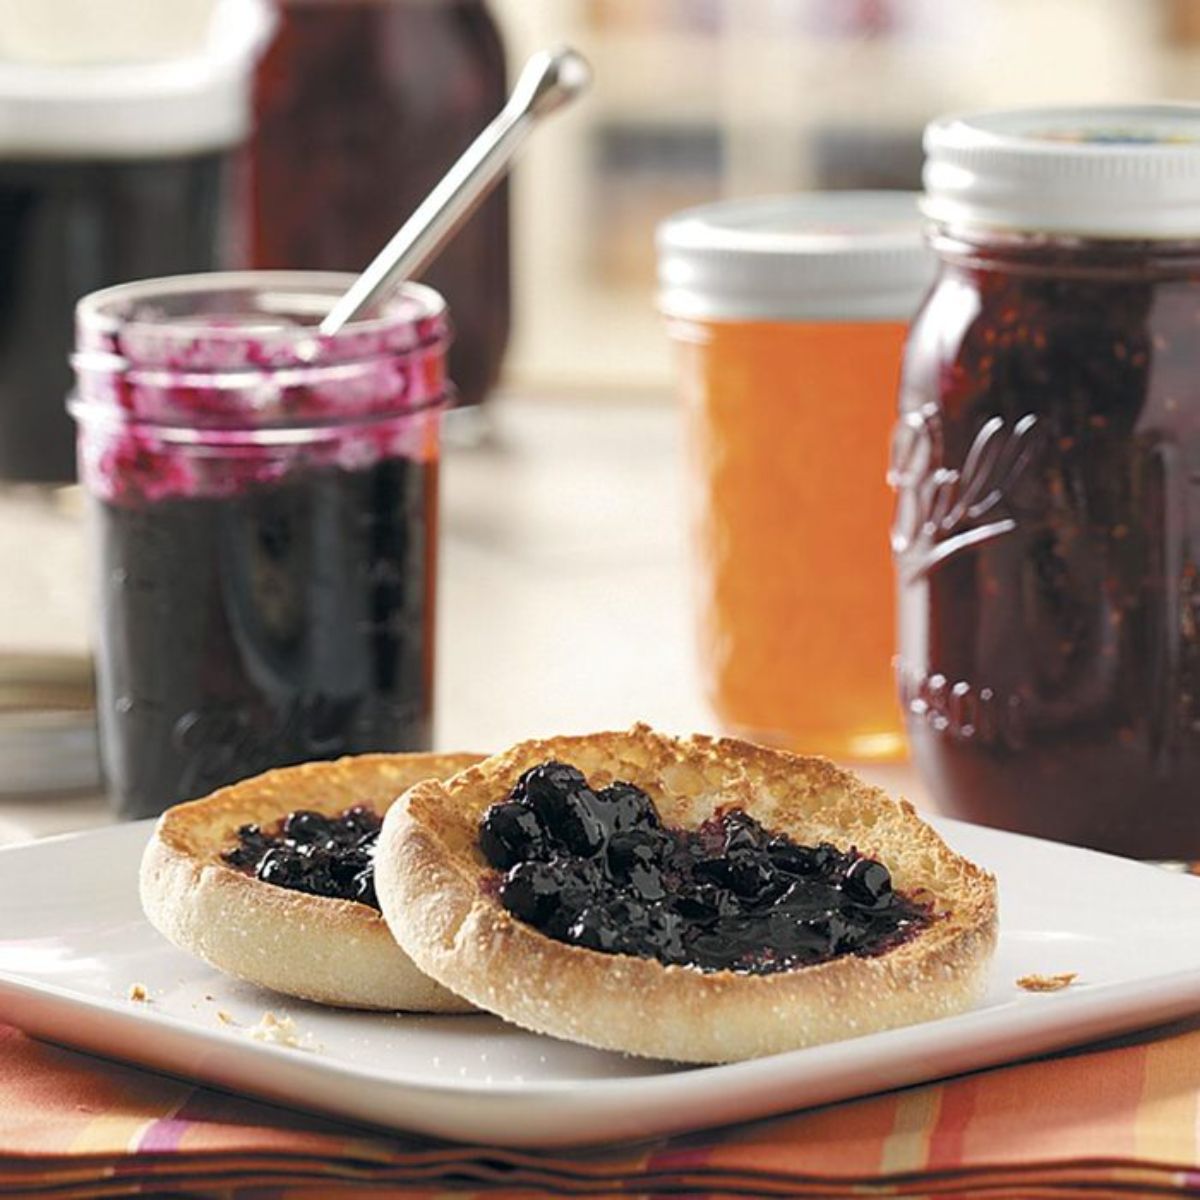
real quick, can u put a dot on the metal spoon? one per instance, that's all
(549, 80)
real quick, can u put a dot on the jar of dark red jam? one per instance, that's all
(404, 85)
(263, 505)
(1046, 465)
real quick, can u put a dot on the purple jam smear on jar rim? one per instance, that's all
(596, 868)
(180, 393)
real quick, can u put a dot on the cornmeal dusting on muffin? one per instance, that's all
(1047, 983)
(281, 1031)
(138, 992)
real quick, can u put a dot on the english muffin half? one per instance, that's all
(326, 948)
(749, 902)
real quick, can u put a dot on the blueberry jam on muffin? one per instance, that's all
(307, 851)
(597, 868)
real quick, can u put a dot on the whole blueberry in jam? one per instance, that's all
(596, 868)
(307, 851)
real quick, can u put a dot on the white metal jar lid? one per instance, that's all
(1130, 171)
(812, 256)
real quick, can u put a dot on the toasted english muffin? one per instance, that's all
(333, 951)
(442, 901)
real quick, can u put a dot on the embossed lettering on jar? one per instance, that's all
(1045, 462)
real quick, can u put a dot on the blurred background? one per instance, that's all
(358, 105)
(701, 99)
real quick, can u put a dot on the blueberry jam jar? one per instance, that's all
(1046, 461)
(263, 508)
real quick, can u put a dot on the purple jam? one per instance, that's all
(264, 524)
(307, 851)
(284, 623)
(596, 868)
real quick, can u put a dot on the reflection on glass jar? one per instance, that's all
(264, 526)
(1047, 521)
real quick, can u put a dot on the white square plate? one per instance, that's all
(73, 940)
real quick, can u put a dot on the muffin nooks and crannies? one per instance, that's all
(272, 880)
(700, 900)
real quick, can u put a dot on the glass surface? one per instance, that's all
(263, 526)
(788, 427)
(1047, 536)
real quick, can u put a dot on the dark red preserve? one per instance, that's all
(361, 106)
(1046, 465)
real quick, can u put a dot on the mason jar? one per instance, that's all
(787, 316)
(263, 508)
(1046, 461)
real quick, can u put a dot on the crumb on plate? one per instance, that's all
(1047, 983)
(281, 1031)
(225, 1018)
(138, 992)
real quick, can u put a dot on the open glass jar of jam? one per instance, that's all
(1046, 463)
(264, 525)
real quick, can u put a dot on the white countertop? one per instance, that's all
(564, 600)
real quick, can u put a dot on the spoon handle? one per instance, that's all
(550, 79)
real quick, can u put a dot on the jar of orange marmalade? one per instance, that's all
(788, 317)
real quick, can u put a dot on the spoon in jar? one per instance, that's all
(550, 80)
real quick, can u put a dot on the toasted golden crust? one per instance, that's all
(429, 873)
(332, 951)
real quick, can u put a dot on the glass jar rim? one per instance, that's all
(118, 311)
(242, 351)
(1063, 255)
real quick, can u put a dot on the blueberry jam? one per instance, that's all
(598, 869)
(310, 852)
(287, 622)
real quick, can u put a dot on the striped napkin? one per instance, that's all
(1118, 1119)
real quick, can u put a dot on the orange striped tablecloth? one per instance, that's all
(1120, 1119)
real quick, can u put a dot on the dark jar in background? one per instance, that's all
(108, 172)
(362, 105)
(263, 506)
(1047, 470)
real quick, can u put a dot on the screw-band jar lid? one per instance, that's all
(814, 256)
(1111, 171)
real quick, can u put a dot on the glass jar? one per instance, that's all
(1047, 521)
(362, 106)
(788, 317)
(108, 171)
(263, 518)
